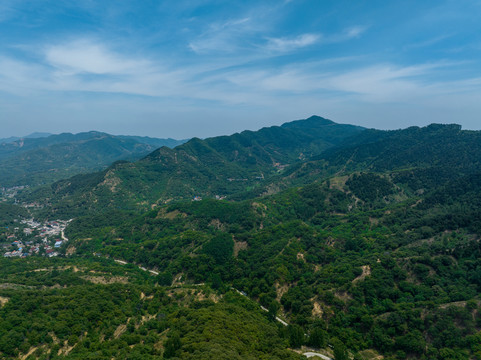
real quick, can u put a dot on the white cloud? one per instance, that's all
(286, 44)
(86, 56)
(391, 83)
(428, 42)
(91, 66)
(290, 44)
(378, 83)
(223, 37)
(346, 35)
(20, 78)
(355, 32)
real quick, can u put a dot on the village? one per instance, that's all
(31, 238)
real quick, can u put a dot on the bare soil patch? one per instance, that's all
(366, 271)
(105, 281)
(238, 246)
(3, 301)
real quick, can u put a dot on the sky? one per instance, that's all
(204, 68)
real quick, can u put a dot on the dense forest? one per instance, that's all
(366, 248)
(95, 309)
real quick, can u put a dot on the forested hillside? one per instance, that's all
(360, 244)
(96, 309)
(355, 257)
(220, 166)
(418, 158)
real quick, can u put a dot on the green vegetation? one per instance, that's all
(35, 161)
(9, 213)
(95, 309)
(386, 277)
(370, 247)
(222, 166)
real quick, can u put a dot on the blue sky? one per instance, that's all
(203, 68)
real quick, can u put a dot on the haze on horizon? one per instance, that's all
(205, 68)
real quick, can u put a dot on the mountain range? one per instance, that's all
(44, 158)
(221, 166)
(307, 238)
(34, 135)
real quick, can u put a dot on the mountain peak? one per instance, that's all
(37, 135)
(313, 121)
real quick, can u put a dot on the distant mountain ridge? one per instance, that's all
(169, 142)
(37, 160)
(220, 165)
(34, 135)
(35, 142)
(253, 163)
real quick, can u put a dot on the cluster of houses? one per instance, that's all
(47, 229)
(36, 238)
(23, 249)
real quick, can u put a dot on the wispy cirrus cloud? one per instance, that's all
(354, 32)
(286, 44)
(226, 36)
(380, 83)
(347, 34)
(92, 66)
(87, 65)
(88, 56)
(22, 78)
(238, 78)
(428, 42)
(374, 84)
